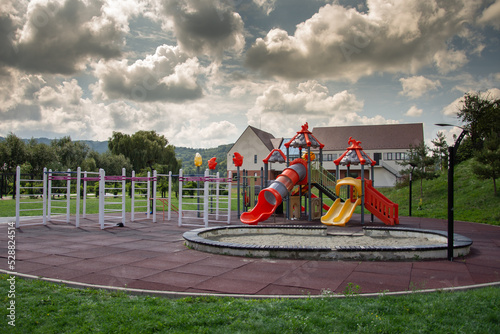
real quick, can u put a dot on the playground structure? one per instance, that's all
(271, 197)
(54, 191)
(360, 192)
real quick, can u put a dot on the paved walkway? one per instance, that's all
(152, 256)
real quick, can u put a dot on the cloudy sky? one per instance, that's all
(201, 71)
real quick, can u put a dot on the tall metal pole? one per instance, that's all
(451, 165)
(452, 151)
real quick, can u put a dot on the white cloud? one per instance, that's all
(491, 15)
(454, 107)
(414, 112)
(266, 5)
(167, 75)
(339, 42)
(449, 60)
(285, 106)
(417, 86)
(196, 132)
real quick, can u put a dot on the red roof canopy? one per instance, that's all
(354, 155)
(304, 138)
(275, 155)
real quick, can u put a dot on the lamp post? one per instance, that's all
(452, 150)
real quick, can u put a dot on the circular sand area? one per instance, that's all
(329, 240)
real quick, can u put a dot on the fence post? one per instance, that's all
(169, 194)
(124, 194)
(17, 194)
(155, 178)
(44, 195)
(102, 183)
(78, 184)
(132, 196)
(206, 197)
(180, 197)
(148, 195)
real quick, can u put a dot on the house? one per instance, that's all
(387, 144)
(254, 145)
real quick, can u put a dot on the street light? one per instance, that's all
(452, 151)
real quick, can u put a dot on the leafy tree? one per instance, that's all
(40, 155)
(70, 154)
(143, 149)
(13, 152)
(479, 114)
(487, 161)
(112, 163)
(440, 150)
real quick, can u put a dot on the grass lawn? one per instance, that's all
(43, 307)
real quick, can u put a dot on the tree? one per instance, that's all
(418, 157)
(143, 149)
(441, 150)
(13, 153)
(112, 163)
(70, 154)
(40, 156)
(487, 161)
(479, 114)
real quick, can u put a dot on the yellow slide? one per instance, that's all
(339, 212)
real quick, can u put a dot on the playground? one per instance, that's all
(137, 251)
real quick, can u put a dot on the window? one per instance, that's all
(398, 156)
(255, 159)
(388, 156)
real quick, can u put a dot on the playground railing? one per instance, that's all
(35, 190)
(383, 208)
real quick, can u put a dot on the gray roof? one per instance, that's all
(387, 136)
(265, 137)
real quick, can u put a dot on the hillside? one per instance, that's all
(98, 146)
(187, 156)
(474, 198)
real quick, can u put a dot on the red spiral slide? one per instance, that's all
(271, 197)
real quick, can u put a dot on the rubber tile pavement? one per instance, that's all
(152, 256)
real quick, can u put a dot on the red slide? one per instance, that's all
(271, 197)
(381, 207)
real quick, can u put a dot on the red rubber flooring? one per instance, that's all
(152, 256)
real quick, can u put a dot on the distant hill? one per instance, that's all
(98, 146)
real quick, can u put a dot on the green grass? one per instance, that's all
(43, 307)
(8, 205)
(474, 199)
